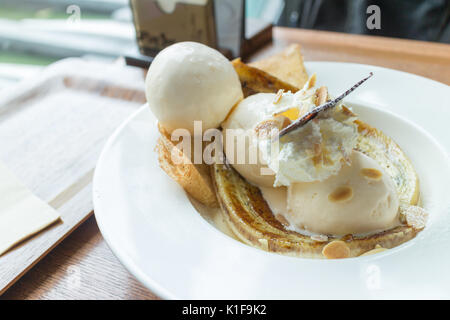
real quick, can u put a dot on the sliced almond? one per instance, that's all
(347, 111)
(341, 194)
(311, 81)
(371, 174)
(278, 96)
(265, 128)
(415, 216)
(336, 250)
(321, 96)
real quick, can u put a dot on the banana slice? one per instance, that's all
(250, 218)
(383, 149)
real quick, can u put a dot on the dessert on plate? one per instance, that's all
(292, 169)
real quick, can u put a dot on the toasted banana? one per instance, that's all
(380, 147)
(251, 219)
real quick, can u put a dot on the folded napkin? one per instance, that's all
(22, 214)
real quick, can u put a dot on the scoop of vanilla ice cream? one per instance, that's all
(313, 152)
(189, 81)
(361, 198)
(238, 127)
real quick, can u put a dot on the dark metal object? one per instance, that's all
(136, 59)
(161, 23)
(313, 113)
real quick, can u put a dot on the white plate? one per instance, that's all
(153, 229)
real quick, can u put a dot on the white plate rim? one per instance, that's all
(152, 284)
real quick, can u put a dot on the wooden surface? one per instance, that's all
(83, 267)
(428, 59)
(51, 138)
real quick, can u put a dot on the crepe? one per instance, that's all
(194, 178)
(286, 65)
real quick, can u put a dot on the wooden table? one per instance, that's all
(83, 267)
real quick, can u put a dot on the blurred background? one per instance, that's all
(39, 32)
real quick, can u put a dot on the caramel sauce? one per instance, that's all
(341, 194)
(371, 174)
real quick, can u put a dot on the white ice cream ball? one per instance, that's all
(189, 81)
